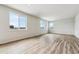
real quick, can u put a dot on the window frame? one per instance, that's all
(50, 22)
(18, 16)
(43, 22)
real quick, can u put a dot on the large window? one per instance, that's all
(17, 21)
(42, 25)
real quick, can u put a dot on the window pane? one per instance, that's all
(22, 22)
(42, 25)
(50, 24)
(13, 19)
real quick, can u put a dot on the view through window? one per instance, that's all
(42, 25)
(17, 21)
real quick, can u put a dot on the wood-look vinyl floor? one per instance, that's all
(46, 44)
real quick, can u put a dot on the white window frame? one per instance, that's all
(18, 16)
(43, 24)
(50, 24)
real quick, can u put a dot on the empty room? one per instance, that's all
(39, 28)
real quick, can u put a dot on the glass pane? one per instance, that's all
(42, 25)
(22, 22)
(13, 19)
(50, 24)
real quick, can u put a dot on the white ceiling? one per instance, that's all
(48, 11)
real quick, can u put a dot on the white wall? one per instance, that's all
(64, 26)
(77, 26)
(7, 34)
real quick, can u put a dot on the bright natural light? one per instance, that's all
(42, 25)
(51, 24)
(17, 22)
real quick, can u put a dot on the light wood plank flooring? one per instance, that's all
(46, 44)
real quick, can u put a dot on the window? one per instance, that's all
(22, 22)
(42, 25)
(17, 21)
(50, 24)
(13, 20)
